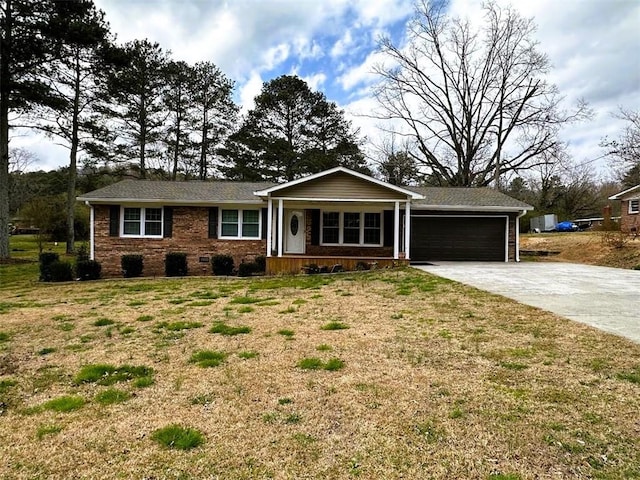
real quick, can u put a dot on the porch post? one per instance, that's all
(269, 225)
(407, 228)
(396, 230)
(280, 221)
(92, 233)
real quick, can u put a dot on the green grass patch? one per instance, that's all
(66, 403)
(177, 301)
(179, 325)
(246, 355)
(200, 303)
(126, 330)
(104, 374)
(245, 309)
(514, 366)
(208, 358)
(284, 401)
(334, 326)
(103, 322)
(224, 329)
(289, 309)
(323, 347)
(112, 395)
(313, 363)
(143, 382)
(245, 300)
(144, 318)
(67, 326)
(178, 437)
(633, 376)
(46, 351)
(286, 333)
(504, 476)
(136, 303)
(45, 430)
(4, 337)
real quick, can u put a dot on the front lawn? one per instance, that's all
(377, 375)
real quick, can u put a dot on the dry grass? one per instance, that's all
(583, 247)
(439, 381)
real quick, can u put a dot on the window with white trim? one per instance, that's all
(142, 222)
(634, 205)
(352, 228)
(239, 223)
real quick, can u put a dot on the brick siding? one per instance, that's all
(190, 235)
(628, 221)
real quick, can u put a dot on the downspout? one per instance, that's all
(91, 231)
(522, 214)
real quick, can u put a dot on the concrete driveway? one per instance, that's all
(605, 298)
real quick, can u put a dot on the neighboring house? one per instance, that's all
(334, 217)
(629, 209)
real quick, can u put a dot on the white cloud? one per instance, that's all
(316, 81)
(249, 90)
(341, 47)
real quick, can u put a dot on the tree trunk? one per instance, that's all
(73, 158)
(203, 148)
(5, 76)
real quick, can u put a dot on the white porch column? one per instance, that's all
(269, 225)
(396, 231)
(280, 222)
(92, 245)
(407, 229)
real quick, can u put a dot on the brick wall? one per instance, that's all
(628, 221)
(190, 235)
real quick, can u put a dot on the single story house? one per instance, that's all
(333, 217)
(629, 209)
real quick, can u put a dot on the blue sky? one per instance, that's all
(593, 46)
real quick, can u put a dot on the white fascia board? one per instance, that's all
(338, 200)
(160, 201)
(468, 208)
(619, 196)
(362, 176)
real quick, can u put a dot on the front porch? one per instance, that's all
(294, 264)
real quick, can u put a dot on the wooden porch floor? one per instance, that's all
(294, 264)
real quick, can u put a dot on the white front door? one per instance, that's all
(294, 228)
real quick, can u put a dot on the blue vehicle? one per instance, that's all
(567, 227)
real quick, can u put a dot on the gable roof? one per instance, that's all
(619, 196)
(461, 198)
(185, 193)
(332, 171)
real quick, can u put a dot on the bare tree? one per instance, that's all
(625, 150)
(473, 100)
(20, 159)
(393, 162)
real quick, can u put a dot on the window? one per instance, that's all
(142, 222)
(352, 228)
(634, 205)
(240, 224)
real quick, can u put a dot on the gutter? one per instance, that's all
(522, 214)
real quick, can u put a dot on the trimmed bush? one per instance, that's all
(261, 263)
(246, 269)
(222, 265)
(88, 270)
(132, 265)
(60, 271)
(175, 264)
(46, 259)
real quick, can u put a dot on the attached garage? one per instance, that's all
(459, 238)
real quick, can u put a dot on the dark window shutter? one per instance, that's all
(388, 228)
(264, 223)
(114, 220)
(168, 222)
(315, 226)
(213, 222)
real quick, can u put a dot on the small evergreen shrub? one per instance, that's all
(175, 264)
(246, 269)
(46, 259)
(60, 271)
(132, 265)
(222, 265)
(88, 270)
(261, 263)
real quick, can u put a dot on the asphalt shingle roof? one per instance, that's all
(198, 192)
(181, 192)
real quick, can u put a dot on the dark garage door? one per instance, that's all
(458, 238)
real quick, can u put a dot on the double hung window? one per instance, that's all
(352, 228)
(237, 223)
(142, 222)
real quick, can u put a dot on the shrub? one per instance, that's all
(175, 264)
(175, 436)
(246, 269)
(132, 265)
(88, 269)
(46, 259)
(222, 264)
(60, 271)
(261, 263)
